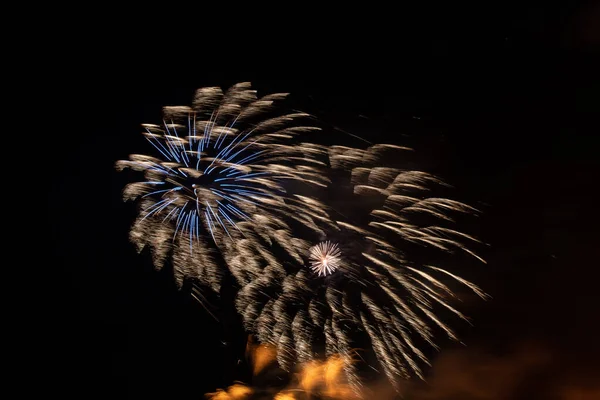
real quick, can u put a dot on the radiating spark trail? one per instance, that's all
(309, 284)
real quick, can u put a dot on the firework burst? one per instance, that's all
(325, 258)
(391, 289)
(224, 169)
(332, 248)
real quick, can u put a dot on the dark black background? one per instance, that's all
(501, 99)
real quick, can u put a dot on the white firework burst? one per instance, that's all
(325, 258)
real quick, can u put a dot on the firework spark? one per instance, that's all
(325, 258)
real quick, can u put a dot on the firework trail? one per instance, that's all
(376, 281)
(333, 248)
(224, 168)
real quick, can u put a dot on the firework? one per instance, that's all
(332, 248)
(381, 287)
(325, 258)
(226, 168)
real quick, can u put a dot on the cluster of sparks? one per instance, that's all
(325, 258)
(254, 193)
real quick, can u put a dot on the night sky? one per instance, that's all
(501, 101)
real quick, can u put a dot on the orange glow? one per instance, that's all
(284, 396)
(333, 369)
(310, 376)
(314, 378)
(234, 392)
(260, 355)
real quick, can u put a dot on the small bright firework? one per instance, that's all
(325, 258)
